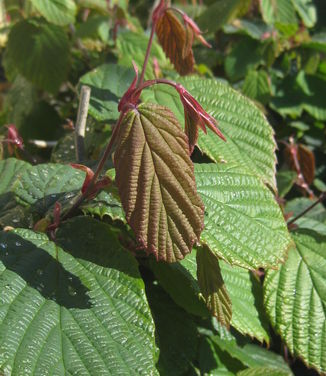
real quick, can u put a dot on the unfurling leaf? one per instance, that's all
(173, 38)
(212, 286)
(195, 116)
(156, 182)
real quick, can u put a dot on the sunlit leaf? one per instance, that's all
(69, 310)
(295, 298)
(237, 229)
(59, 12)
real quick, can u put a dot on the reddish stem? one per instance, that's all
(148, 51)
(301, 180)
(99, 168)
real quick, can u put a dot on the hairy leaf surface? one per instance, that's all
(250, 139)
(69, 310)
(172, 36)
(156, 182)
(243, 223)
(295, 298)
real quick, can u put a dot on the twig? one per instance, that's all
(321, 198)
(85, 94)
(148, 51)
(300, 180)
(43, 144)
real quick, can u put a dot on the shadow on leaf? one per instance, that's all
(42, 272)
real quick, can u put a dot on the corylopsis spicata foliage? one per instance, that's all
(156, 182)
(154, 172)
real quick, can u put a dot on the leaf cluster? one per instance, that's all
(200, 256)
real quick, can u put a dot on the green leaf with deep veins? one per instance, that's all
(156, 182)
(295, 298)
(68, 310)
(243, 223)
(249, 138)
(212, 286)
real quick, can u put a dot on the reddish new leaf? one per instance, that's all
(156, 182)
(301, 160)
(174, 40)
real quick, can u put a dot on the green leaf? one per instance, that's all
(315, 219)
(246, 294)
(295, 299)
(37, 188)
(253, 28)
(99, 5)
(105, 204)
(20, 101)
(285, 180)
(257, 86)
(42, 185)
(317, 42)
(135, 44)
(219, 13)
(177, 335)
(278, 11)
(252, 355)
(179, 280)
(70, 310)
(212, 286)
(292, 100)
(236, 228)
(238, 62)
(10, 170)
(59, 12)
(250, 142)
(298, 205)
(213, 361)
(262, 371)
(40, 52)
(307, 11)
(108, 83)
(156, 182)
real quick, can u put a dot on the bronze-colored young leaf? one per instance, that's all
(174, 40)
(212, 286)
(156, 182)
(305, 159)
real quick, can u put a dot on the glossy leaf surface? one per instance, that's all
(70, 311)
(236, 228)
(250, 139)
(295, 298)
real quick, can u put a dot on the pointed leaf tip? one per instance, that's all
(156, 182)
